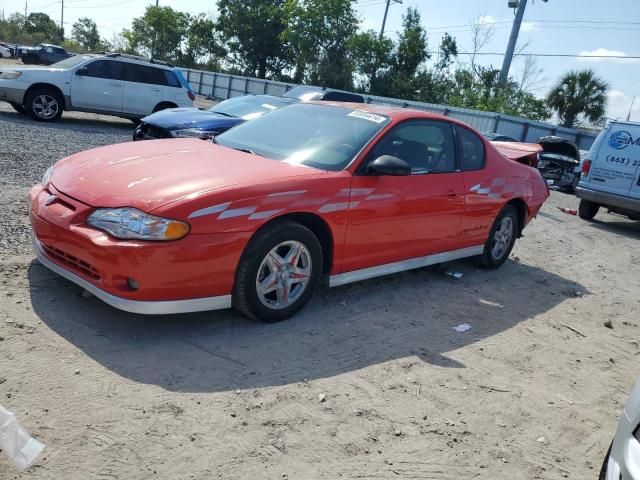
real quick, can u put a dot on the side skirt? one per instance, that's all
(396, 267)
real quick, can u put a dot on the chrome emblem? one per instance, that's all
(50, 199)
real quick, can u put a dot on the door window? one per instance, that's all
(426, 145)
(471, 150)
(105, 69)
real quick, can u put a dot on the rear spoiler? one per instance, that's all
(525, 153)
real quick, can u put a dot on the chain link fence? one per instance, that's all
(223, 86)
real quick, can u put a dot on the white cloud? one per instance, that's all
(529, 26)
(618, 105)
(613, 94)
(605, 52)
(486, 20)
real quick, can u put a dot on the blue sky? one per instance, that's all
(559, 26)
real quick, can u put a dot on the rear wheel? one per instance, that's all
(44, 105)
(164, 106)
(605, 464)
(501, 239)
(278, 272)
(587, 210)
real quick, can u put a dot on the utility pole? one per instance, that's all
(386, 11)
(631, 108)
(25, 10)
(62, 21)
(513, 39)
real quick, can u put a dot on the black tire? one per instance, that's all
(164, 106)
(19, 108)
(246, 298)
(494, 257)
(33, 104)
(587, 210)
(605, 463)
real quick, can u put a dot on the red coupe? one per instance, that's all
(255, 219)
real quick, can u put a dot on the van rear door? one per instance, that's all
(616, 162)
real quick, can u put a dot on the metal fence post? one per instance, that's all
(246, 85)
(264, 89)
(229, 86)
(213, 85)
(200, 83)
(445, 112)
(496, 123)
(525, 131)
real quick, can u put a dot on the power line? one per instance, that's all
(568, 55)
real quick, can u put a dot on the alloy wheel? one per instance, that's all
(283, 275)
(45, 106)
(502, 238)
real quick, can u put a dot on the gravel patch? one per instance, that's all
(28, 147)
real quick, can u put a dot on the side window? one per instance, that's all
(105, 69)
(144, 74)
(471, 150)
(426, 145)
(48, 50)
(170, 79)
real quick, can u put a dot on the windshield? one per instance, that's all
(320, 136)
(71, 61)
(249, 107)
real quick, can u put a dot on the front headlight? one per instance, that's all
(191, 132)
(133, 224)
(46, 176)
(10, 75)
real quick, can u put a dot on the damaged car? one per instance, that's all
(559, 163)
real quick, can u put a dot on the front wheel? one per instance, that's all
(587, 210)
(502, 238)
(278, 272)
(44, 105)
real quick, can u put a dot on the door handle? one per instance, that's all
(116, 84)
(452, 194)
(155, 89)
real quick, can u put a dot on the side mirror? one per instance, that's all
(389, 165)
(82, 72)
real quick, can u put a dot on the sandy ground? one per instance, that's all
(369, 381)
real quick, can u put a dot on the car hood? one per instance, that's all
(173, 118)
(147, 175)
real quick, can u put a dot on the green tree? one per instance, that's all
(317, 34)
(251, 31)
(201, 43)
(42, 28)
(370, 54)
(85, 33)
(579, 94)
(158, 33)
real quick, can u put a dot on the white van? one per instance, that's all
(611, 172)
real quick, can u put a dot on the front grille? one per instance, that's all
(72, 261)
(153, 131)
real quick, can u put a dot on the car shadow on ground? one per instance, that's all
(341, 330)
(70, 120)
(618, 225)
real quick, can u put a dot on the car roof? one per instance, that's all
(393, 112)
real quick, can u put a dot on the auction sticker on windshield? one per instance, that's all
(372, 117)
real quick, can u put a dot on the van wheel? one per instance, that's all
(502, 238)
(587, 210)
(278, 272)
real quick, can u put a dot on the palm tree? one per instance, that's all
(579, 93)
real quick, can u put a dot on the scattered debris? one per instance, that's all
(397, 432)
(541, 440)
(608, 324)
(572, 329)
(454, 275)
(570, 211)
(16, 442)
(77, 371)
(322, 397)
(463, 327)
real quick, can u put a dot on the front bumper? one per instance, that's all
(145, 131)
(192, 274)
(11, 94)
(608, 199)
(624, 460)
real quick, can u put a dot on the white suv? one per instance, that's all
(111, 84)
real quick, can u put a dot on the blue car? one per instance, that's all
(192, 122)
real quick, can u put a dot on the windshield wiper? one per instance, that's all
(246, 150)
(223, 113)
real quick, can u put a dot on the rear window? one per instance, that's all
(145, 74)
(471, 150)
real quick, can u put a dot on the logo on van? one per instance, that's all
(622, 139)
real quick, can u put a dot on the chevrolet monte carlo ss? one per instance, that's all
(255, 220)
